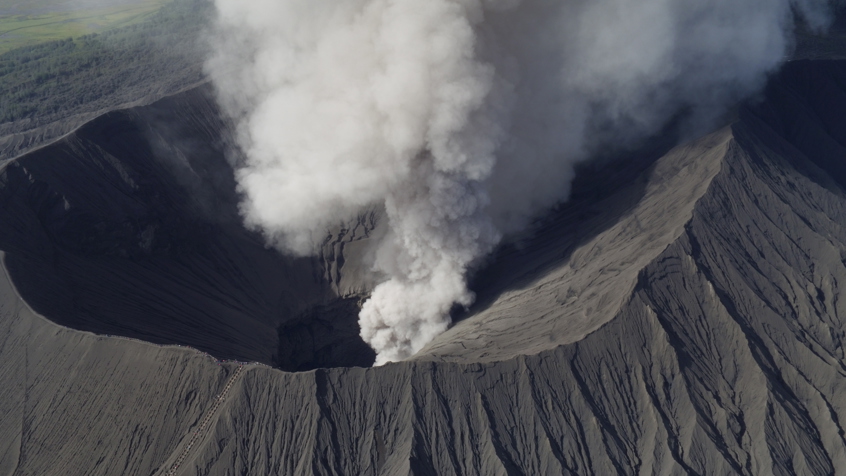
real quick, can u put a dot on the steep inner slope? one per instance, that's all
(129, 226)
(578, 280)
(557, 287)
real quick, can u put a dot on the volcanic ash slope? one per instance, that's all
(693, 326)
(713, 341)
(130, 226)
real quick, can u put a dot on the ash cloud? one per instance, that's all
(463, 118)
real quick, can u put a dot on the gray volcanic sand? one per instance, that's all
(589, 287)
(77, 403)
(131, 223)
(688, 323)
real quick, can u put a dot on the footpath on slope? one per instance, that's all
(199, 432)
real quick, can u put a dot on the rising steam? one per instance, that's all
(463, 118)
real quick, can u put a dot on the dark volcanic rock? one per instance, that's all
(324, 336)
(130, 227)
(693, 326)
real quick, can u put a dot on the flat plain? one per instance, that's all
(30, 23)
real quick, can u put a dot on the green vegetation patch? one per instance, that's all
(41, 23)
(47, 81)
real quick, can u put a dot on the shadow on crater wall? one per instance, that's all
(325, 336)
(130, 227)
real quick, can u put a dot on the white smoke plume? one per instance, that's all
(463, 118)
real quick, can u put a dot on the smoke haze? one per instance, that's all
(463, 118)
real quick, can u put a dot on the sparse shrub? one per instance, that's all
(49, 81)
